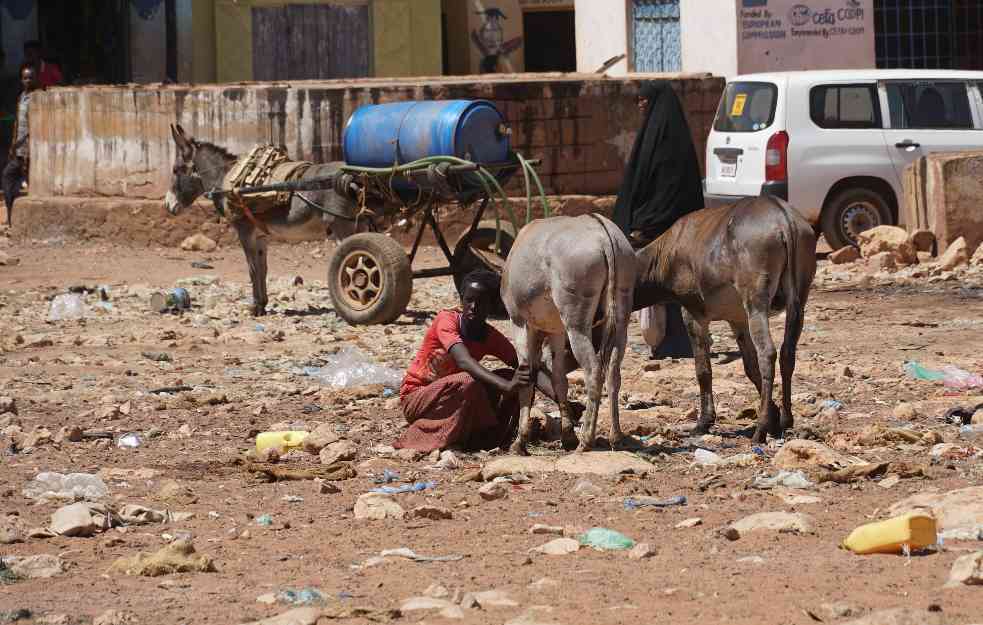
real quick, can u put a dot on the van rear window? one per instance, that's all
(746, 107)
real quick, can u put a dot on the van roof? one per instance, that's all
(861, 74)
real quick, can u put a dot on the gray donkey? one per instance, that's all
(563, 278)
(739, 263)
(200, 167)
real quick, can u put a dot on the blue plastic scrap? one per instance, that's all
(387, 477)
(405, 488)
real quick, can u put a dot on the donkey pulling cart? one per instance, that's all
(452, 153)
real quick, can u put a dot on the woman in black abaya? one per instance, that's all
(662, 183)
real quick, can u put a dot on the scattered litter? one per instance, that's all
(304, 596)
(170, 390)
(788, 479)
(634, 503)
(872, 470)
(157, 356)
(604, 539)
(66, 307)
(961, 415)
(585, 489)
(265, 520)
(705, 458)
(197, 264)
(129, 441)
(349, 367)
(293, 499)
(172, 301)
(405, 488)
(831, 404)
(951, 376)
(71, 487)
(913, 531)
(387, 477)
(282, 441)
(409, 554)
(449, 461)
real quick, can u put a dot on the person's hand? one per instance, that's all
(521, 379)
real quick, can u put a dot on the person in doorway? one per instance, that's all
(449, 399)
(18, 164)
(46, 72)
(662, 182)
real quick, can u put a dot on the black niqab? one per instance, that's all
(662, 180)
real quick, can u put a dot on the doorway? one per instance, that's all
(87, 38)
(550, 41)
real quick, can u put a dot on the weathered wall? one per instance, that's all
(114, 141)
(602, 33)
(943, 193)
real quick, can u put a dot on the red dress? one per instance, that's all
(444, 405)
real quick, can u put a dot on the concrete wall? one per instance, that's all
(602, 33)
(709, 34)
(114, 141)
(943, 192)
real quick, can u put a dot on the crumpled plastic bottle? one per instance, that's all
(67, 306)
(605, 539)
(131, 440)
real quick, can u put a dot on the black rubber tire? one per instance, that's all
(384, 268)
(852, 211)
(467, 259)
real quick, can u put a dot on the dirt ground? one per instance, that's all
(93, 373)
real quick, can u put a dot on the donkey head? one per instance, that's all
(186, 183)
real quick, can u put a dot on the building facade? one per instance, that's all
(729, 37)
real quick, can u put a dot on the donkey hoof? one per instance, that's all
(702, 428)
(518, 449)
(760, 436)
(583, 447)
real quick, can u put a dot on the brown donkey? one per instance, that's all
(739, 263)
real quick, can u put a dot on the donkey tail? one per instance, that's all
(790, 282)
(611, 299)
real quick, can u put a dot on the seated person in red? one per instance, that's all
(450, 399)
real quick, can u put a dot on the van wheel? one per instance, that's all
(850, 212)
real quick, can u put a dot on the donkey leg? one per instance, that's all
(558, 346)
(699, 337)
(763, 344)
(614, 383)
(255, 251)
(583, 351)
(787, 363)
(749, 355)
(529, 346)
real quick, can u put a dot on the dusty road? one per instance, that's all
(96, 374)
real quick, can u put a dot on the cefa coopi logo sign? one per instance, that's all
(802, 14)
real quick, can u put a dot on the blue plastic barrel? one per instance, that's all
(382, 135)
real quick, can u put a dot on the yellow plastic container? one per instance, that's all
(913, 529)
(283, 441)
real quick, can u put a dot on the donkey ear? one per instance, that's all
(181, 140)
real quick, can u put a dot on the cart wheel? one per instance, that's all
(370, 279)
(479, 253)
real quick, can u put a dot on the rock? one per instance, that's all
(82, 519)
(378, 506)
(436, 591)
(7, 404)
(445, 607)
(494, 490)
(434, 513)
(409, 455)
(906, 412)
(838, 610)
(559, 547)
(54, 619)
(341, 451)
(803, 454)
(297, 616)
(887, 239)
(977, 418)
(956, 255)
(967, 570)
(35, 438)
(10, 535)
(975, 261)
(320, 438)
(70, 434)
(177, 557)
(884, 261)
(36, 567)
(132, 514)
(693, 522)
(449, 460)
(960, 509)
(844, 255)
(115, 617)
(546, 529)
(8, 260)
(900, 616)
(198, 243)
(922, 240)
(729, 533)
(326, 488)
(775, 521)
(492, 599)
(594, 463)
(174, 492)
(642, 551)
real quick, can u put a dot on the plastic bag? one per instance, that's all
(788, 479)
(951, 376)
(705, 457)
(67, 306)
(72, 487)
(604, 539)
(349, 367)
(304, 596)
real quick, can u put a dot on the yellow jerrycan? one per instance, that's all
(915, 529)
(283, 441)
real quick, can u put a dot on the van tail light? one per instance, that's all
(776, 158)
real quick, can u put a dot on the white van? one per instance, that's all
(835, 143)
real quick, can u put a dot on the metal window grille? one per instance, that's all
(929, 34)
(657, 43)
